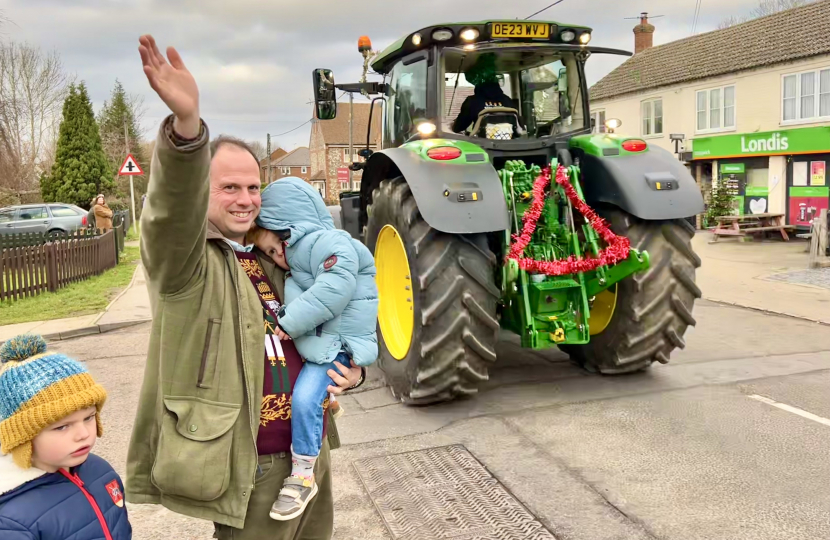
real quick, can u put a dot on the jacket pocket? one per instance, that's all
(211, 350)
(194, 449)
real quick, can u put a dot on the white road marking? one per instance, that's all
(790, 408)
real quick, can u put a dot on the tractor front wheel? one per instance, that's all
(643, 319)
(437, 313)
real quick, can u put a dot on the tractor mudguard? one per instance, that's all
(652, 185)
(460, 196)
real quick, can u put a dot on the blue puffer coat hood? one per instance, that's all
(36, 504)
(290, 203)
(330, 293)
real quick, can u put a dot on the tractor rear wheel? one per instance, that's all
(437, 314)
(643, 319)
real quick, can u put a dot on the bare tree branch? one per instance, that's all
(33, 85)
(259, 149)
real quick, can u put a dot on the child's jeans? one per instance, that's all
(310, 390)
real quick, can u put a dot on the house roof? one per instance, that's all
(279, 153)
(783, 37)
(299, 157)
(337, 131)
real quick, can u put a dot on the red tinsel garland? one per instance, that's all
(617, 246)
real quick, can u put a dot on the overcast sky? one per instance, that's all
(253, 59)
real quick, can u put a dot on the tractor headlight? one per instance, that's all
(470, 34)
(426, 128)
(613, 123)
(416, 39)
(584, 38)
(567, 35)
(442, 35)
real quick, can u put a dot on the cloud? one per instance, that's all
(253, 58)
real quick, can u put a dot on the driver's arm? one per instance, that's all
(464, 118)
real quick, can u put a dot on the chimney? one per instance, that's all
(643, 34)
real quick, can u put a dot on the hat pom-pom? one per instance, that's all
(22, 347)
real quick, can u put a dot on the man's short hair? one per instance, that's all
(228, 140)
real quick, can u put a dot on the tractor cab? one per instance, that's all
(508, 83)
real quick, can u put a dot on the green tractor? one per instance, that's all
(527, 218)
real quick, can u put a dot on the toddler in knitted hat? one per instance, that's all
(49, 422)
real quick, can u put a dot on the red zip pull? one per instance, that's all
(75, 479)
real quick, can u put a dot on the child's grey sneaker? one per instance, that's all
(293, 498)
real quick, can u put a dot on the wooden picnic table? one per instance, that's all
(748, 225)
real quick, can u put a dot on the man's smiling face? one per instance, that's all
(234, 192)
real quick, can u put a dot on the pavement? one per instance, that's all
(770, 276)
(130, 307)
(726, 442)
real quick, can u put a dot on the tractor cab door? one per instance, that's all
(406, 100)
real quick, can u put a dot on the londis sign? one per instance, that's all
(782, 142)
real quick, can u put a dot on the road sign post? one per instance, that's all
(131, 168)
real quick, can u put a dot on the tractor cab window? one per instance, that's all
(406, 102)
(511, 93)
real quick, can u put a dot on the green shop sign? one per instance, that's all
(782, 142)
(734, 168)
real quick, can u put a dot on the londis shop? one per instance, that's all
(781, 172)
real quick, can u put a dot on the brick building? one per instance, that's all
(329, 147)
(294, 163)
(276, 155)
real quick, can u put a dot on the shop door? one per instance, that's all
(807, 190)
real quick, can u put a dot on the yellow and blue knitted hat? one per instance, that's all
(38, 389)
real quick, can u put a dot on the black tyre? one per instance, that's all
(654, 308)
(453, 299)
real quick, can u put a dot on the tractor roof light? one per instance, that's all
(613, 123)
(634, 145)
(364, 44)
(584, 38)
(470, 34)
(416, 39)
(444, 153)
(443, 34)
(567, 35)
(426, 128)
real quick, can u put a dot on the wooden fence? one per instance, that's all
(30, 270)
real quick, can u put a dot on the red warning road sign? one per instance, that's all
(130, 167)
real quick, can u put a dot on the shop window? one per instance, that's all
(715, 109)
(805, 96)
(598, 118)
(652, 117)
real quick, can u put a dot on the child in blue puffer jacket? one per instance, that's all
(51, 486)
(330, 311)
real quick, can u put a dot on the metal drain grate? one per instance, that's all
(818, 277)
(445, 493)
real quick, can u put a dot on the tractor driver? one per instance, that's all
(488, 93)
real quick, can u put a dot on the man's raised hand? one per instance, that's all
(173, 83)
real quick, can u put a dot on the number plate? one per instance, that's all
(520, 30)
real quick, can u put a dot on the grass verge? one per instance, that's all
(82, 298)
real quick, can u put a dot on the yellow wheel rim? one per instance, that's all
(396, 313)
(602, 310)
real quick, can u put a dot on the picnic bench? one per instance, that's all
(750, 225)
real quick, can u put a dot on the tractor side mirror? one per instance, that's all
(324, 94)
(365, 153)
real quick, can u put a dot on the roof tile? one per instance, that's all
(749, 45)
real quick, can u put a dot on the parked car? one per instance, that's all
(52, 218)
